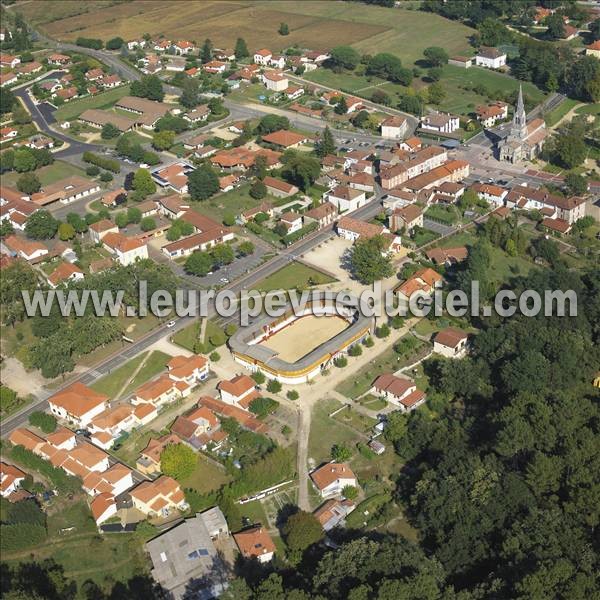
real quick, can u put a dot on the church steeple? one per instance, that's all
(519, 124)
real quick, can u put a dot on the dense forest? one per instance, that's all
(503, 485)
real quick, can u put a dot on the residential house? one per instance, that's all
(161, 391)
(148, 462)
(493, 194)
(412, 163)
(77, 404)
(101, 228)
(115, 480)
(127, 250)
(30, 250)
(279, 188)
(407, 218)
(331, 478)
(447, 256)
(333, 512)
(9, 61)
(423, 282)
(489, 115)
(103, 507)
(569, 209)
(277, 61)
(190, 369)
(559, 226)
(394, 127)
(345, 198)
(27, 439)
(593, 49)
(293, 92)
(67, 94)
(292, 221)
(7, 133)
(199, 114)
(323, 215)
(174, 176)
(59, 59)
(29, 68)
(490, 58)
(285, 139)
(246, 419)
(440, 123)
(450, 342)
(255, 543)
(159, 497)
(238, 391)
(185, 560)
(10, 479)
(113, 198)
(215, 67)
(64, 273)
(7, 79)
(353, 229)
(262, 57)
(275, 81)
(66, 190)
(399, 391)
(184, 47)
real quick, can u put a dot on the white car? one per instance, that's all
(171, 324)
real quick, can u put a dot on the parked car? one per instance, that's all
(171, 324)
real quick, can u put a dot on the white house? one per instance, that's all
(440, 122)
(292, 220)
(450, 342)
(238, 391)
(255, 543)
(494, 194)
(394, 127)
(332, 478)
(399, 391)
(275, 81)
(126, 249)
(10, 479)
(190, 369)
(78, 404)
(262, 57)
(346, 199)
(103, 506)
(491, 58)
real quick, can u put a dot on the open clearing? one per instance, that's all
(312, 24)
(73, 109)
(304, 335)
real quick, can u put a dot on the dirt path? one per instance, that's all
(15, 377)
(133, 375)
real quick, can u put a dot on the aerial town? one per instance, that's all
(427, 148)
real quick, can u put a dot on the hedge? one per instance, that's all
(60, 480)
(108, 164)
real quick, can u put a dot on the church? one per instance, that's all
(524, 140)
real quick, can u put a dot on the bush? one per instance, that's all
(178, 461)
(341, 453)
(293, 395)
(45, 421)
(397, 322)
(368, 342)
(349, 492)
(215, 356)
(259, 377)
(100, 161)
(263, 407)
(382, 331)
(106, 177)
(230, 329)
(355, 350)
(340, 362)
(273, 386)
(92, 171)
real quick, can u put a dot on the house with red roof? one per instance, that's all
(262, 57)
(64, 273)
(149, 460)
(126, 249)
(451, 342)
(399, 391)
(10, 479)
(77, 404)
(423, 281)
(255, 543)
(160, 497)
(238, 391)
(103, 507)
(331, 478)
(190, 369)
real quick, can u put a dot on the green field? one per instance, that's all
(187, 337)
(462, 101)
(47, 175)
(112, 383)
(73, 109)
(206, 477)
(554, 116)
(292, 276)
(154, 364)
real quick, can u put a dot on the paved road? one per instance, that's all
(438, 227)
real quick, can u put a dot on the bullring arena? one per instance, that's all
(297, 346)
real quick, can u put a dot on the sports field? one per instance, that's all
(304, 335)
(312, 23)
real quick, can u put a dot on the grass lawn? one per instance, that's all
(325, 432)
(386, 362)
(187, 336)
(554, 116)
(445, 214)
(153, 365)
(233, 202)
(356, 420)
(112, 383)
(251, 92)
(347, 82)
(73, 109)
(589, 109)
(206, 477)
(424, 236)
(254, 511)
(47, 175)
(462, 101)
(462, 238)
(504, 267)
(373, 402)
(134, 444)
(83, 553)
(293, 276)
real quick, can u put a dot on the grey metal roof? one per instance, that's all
(185, 559)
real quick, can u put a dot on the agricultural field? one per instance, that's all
(312, 24)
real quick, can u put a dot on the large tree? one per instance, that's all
(143, 183)
(301, 170)
(436, 56)
(302, 530)
(203, 182)
(199, 263)
(28, 183)
(326, 144)
(178, 461)
(344, 57)
(241, 50)
(369, 261)
(41, 225)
